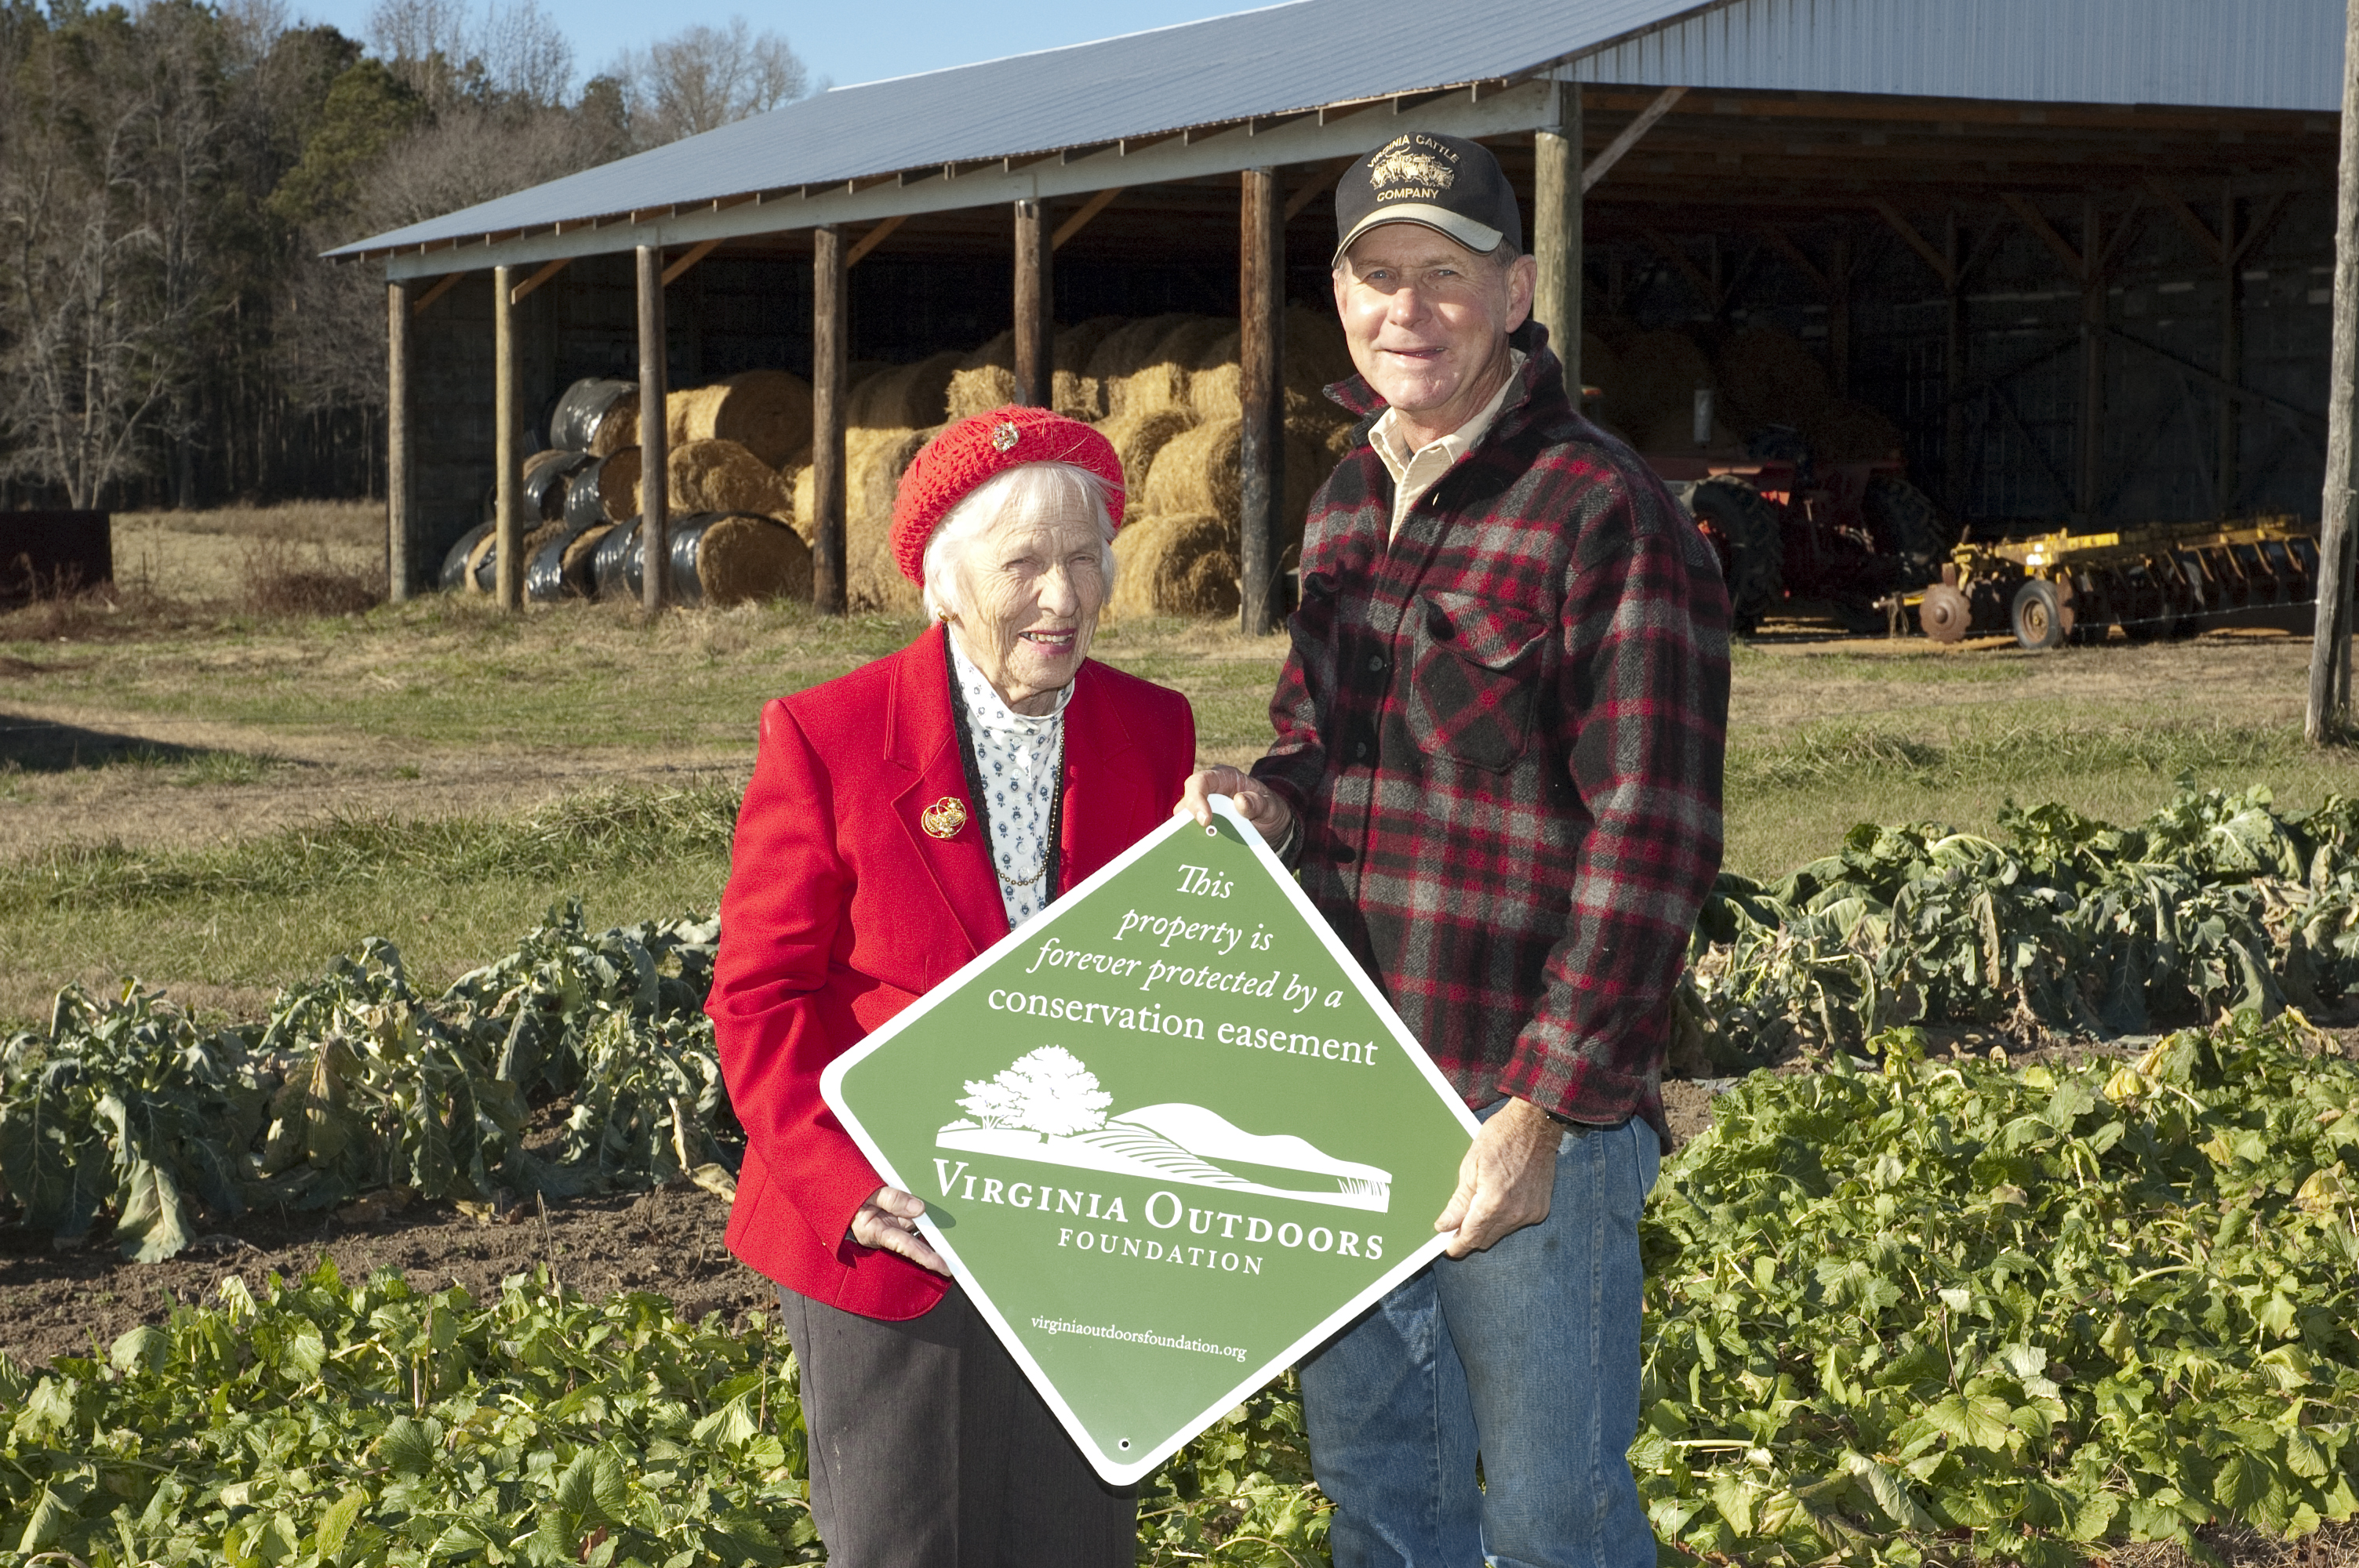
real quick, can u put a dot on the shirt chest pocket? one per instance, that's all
(1473, 677)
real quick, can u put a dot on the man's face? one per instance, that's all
(1427, 320)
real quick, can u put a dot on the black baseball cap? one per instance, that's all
(1449, 184)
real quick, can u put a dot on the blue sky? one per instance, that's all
(849, 42)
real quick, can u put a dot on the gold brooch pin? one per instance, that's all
(1005, 436)
(944, 818)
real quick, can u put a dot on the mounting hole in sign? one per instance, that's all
(1125, 1443)
(1211, 831)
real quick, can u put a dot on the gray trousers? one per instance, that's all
(928, 1449)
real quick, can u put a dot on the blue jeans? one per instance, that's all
(1525, 1357)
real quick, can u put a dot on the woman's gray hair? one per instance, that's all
(1027, 493)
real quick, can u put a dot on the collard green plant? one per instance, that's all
(357, 1083)
(2215, 905)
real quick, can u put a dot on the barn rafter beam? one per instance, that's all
(1596, 168)
(872, 239)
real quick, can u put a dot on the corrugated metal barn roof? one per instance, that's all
(1277, 60)
(1310, 54)
(2252, 54)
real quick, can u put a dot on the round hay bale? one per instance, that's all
(1191, 338)
(745, 557)
(1338, 443)
(578, 569)
(1843, 431)
(767, 412)
(1197, 472)
(1660, 374)
(1138, 436)
(983, 381)
(907, 396)
(1125, 347)
(805, 508)
(1073, 391)
(1177, 564)
(723, 476)
(618, 484)
(1317, 354)
(478, 558)
(618, 427)
(873, 463)
(1767, 377)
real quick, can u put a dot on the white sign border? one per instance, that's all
(1122, 1471)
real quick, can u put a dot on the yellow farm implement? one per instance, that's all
(2160, 580)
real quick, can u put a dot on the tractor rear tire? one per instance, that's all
(2040, 618)
(1903, 522)
(1745, 531)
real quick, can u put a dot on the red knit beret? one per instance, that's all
(973, 449)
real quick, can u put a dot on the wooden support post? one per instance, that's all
(1838, 314)
(2090, 472)
(400, 504)
(507, 567)
(2232, 354)
(1261, 299)
(830, 328)
(1556, 232)
(1953, 370)
(1036, 305)
(655, 440)
(2329, 654)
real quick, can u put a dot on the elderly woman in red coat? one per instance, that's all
(901, 819)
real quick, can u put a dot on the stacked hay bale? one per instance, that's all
(986, 379)
(874, 460)
(904, 397)
(723, 476)
(767, 412)
(1179, 554)
(741, 557)
(1767, 377)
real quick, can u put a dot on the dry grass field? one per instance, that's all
(213, 786)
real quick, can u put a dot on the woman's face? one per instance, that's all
(1032, 591)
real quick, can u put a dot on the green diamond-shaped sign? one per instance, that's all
(1168, 1135)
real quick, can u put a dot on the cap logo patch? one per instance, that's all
(1410, 168)
(1004, 437)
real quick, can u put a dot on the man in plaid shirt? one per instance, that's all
(1498, 770)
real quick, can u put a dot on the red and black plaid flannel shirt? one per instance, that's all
(1502, 735)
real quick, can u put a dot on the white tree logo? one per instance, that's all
(1046, 1091)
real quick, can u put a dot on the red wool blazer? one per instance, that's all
(842, 910)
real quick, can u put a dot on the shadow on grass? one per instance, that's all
(45, 746)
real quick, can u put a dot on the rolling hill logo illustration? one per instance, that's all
(1048, 1107)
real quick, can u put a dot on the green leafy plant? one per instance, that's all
(1948, 1314)
(357, 1083)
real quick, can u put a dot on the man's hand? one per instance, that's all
(888, 1222)
(1507, 1179)
(1255, 803)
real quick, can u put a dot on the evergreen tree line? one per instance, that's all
(170, 174)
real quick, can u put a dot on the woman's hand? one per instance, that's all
(1254, 803)
(888, 1222)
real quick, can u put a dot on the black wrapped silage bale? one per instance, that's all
(453, 575)
(545, 581)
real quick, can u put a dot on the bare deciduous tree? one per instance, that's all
(704, 77)
(446, 53)
(106, 276)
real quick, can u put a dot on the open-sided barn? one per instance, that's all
(2075, 253)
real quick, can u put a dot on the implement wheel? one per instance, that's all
(2039, 617)
(1746, 534)
(1944, 613)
